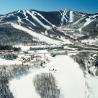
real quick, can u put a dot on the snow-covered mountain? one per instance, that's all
(56, 26)
(41, 53)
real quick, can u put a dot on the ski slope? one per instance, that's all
(71, 16)
(88, 21)
(36, 35)
(69, 77)
(35, 18)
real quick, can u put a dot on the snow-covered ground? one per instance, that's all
(92, 84)
(69, 77)
(91, 41)
(9, 62)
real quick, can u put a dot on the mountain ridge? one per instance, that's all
(56, 25)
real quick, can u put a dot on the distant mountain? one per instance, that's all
(56, 27)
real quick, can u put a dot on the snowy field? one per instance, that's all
(69, 78)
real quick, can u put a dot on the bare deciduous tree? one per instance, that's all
(45, 85)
